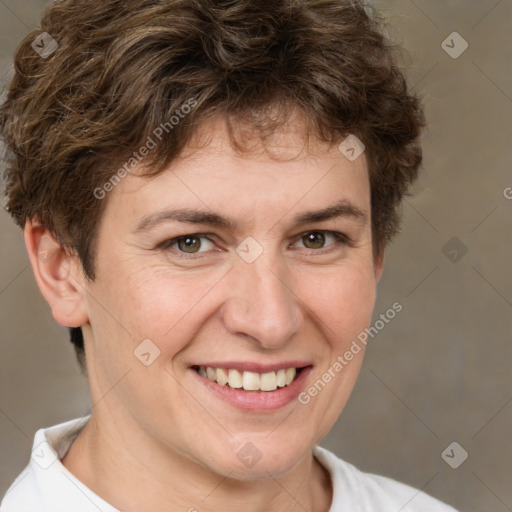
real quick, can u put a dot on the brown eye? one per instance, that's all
(189, 243)
(314, 240)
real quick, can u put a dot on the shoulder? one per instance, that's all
(22, 494)
(45, 485)
(366, 492)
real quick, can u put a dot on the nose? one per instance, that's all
(262, 304)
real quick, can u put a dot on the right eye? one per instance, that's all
(186, 244)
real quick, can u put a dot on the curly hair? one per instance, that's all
(121, 68)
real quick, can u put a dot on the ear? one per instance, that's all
(379, 266)
(58, 275)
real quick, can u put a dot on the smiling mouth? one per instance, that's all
(249, 381)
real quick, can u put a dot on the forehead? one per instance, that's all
(285, 172)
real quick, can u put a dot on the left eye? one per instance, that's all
(318, 237)
(190, 244)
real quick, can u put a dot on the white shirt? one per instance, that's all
(45, 485)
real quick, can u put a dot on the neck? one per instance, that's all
(143, 474)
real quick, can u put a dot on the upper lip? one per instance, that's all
(254, 367)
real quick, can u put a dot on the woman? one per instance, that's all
(206, 191)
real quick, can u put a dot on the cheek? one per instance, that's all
(343, 306)
(163, 306)
(343, 302)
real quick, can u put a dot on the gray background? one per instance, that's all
(440, 371)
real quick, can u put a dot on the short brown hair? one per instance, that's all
(124, 67)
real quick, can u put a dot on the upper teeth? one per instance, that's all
(249, 381)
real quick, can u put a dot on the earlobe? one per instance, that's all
(57, 274)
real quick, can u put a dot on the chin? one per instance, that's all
(260, 457)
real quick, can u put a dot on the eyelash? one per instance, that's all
(341, 238)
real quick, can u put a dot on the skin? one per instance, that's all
(158, 440)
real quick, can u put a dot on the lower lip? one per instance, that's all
(257, 401)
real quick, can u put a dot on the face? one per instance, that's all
(251, 288)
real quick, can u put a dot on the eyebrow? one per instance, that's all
(341, 209)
